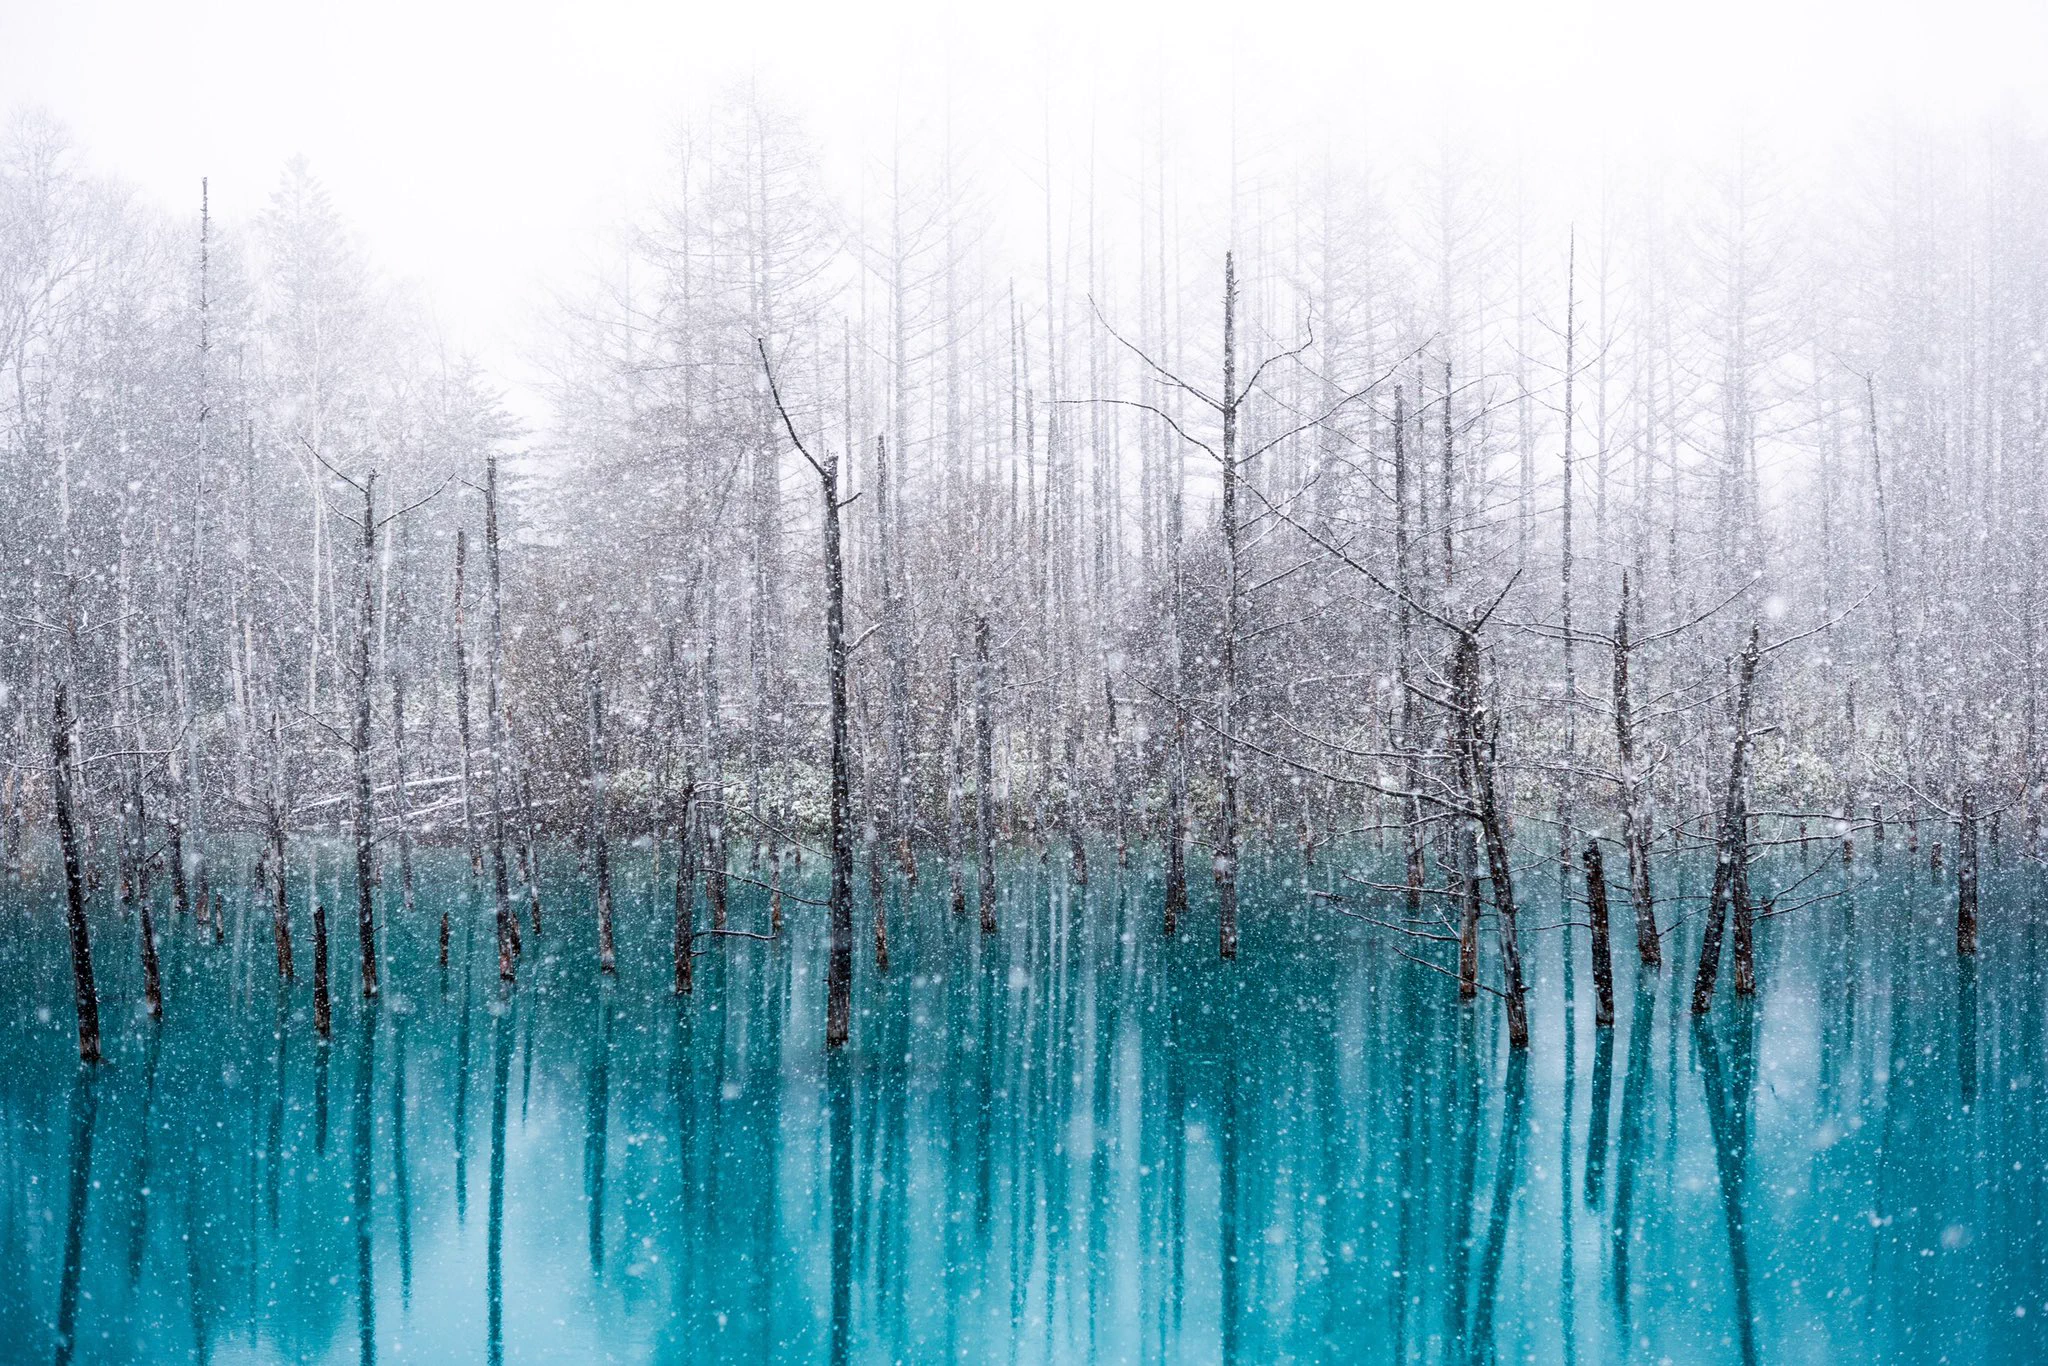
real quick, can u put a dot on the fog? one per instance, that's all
(483, 149)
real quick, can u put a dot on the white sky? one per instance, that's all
(479, 145)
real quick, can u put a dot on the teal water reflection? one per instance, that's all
(1072, 1142)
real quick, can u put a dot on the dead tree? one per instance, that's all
(1464, 699)
(401, 811)
(1404, 632)
(462, 726)
(1565, 812)
(600, 844)
(1635, 825)
(1176, 900)
(365, 832)
(1478, 742)
(1232, 460)
(174, 854)
(275, 814)
(1966, 876)
(713, 806)
(1119, 800)
(956, 882)
(839, 903)
(359, 736)
(1233, 554)
(984, 778)
(83, 987)
(686, 873)
(323, 1010)
(152, 972)
(891, 816)
(871, 842)
(508, 924)
(1603, 957)
(1731, 853)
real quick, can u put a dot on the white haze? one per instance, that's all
(483, 150)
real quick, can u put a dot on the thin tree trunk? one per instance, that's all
(877, 884)
(686, 873)
(1567, 781)
(83, 987)
(365, 831)
(1635, 827)
(1120, 813)
(1479, 745)
(713, 806)
(469, 823)
(508, 924)
(1731, 845)
(1603, 958)
(1404, 583)
(174, 857)
(401, 813)
(152, 972)
(1966, 878)
(280, 914)
(956, 880)
(600, 852)
(1465, 698)
(984, 778)
(839, 904)
(323, 1010)
(1074, 810)
(1226, 845)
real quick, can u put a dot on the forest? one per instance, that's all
(1083, 733)
(1393, 517)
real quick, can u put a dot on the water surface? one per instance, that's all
(1071, 1142)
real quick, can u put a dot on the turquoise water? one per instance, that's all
(1073, 1142)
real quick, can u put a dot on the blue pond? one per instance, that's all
(1073, 1141)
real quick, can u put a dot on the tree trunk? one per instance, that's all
(893, 813)
(508, 924)
(686, 874)
(1404, 583)
(1465, 698)
(1635, 827)
(174, 858)
(365, 832)
(1566, 784)
(956, 879)
(984, 779)
(600, 844)
(1120, 813)
(877, 884)
(1074, 810)
(1226, 844)
(1731, 851)
(280, 912)
(839, 970)
(83, 988)
(469, 823)
(1743, 911)
(1603, 958)
(401, 776)
(1966, 878)
(1479, 743)
(1176, 792)
(152, 972)
(323, 1010)
(713, 806)
(839, 903)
